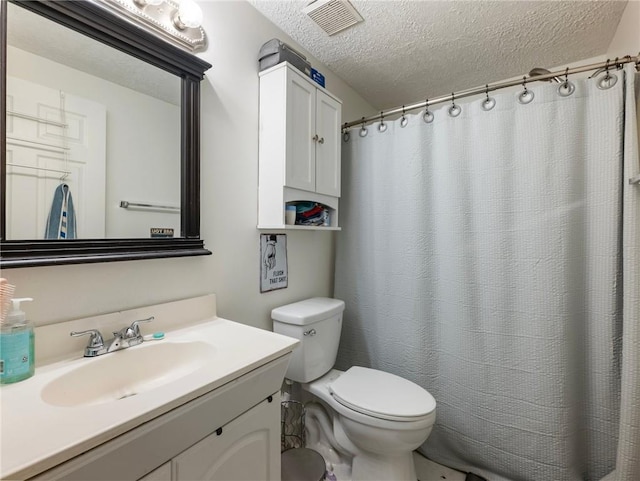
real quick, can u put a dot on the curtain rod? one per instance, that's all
(606, 65)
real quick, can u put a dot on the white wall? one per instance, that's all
(229, 204)
(626, 40)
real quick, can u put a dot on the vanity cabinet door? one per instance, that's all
(248, 448)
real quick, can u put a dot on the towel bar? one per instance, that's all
(125, 204)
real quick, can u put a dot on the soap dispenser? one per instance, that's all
(17, 360)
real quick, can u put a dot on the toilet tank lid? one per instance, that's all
(308, 311)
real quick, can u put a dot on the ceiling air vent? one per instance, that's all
(333, 16)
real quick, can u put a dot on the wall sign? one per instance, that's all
(161, 232)
(273, 262)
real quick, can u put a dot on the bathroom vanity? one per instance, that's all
(203, 403)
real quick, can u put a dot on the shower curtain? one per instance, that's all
(492, 259)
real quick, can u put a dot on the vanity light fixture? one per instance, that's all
(177, 21)
(144, 3)
(189, 15)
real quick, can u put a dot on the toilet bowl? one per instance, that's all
(376, 418)
(379, 436)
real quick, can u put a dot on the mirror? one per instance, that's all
(87, 116)
(100, 128)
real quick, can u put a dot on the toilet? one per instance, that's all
(376, 418)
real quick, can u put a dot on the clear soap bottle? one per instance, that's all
(17, 345)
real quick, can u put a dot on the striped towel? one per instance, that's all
(61, 223)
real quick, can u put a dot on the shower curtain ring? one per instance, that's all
(454, 110)
(345, 133)
(428, 115)
(382, 127)
(488, 103)
(403, 121)
(363, 130)
(566, 88)
(609, 79)
(526, 96)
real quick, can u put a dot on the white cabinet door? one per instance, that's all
(248, 448)
(301, 127)
(328, 115)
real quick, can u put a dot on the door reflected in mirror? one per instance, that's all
(88, 128)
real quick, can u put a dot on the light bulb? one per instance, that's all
(144, 3)
(189, 15)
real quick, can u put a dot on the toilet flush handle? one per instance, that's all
(310, 332)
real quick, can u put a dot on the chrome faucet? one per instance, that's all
(122, 339)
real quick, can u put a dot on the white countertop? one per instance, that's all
(36, 436)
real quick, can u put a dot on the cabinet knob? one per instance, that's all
(321, 140)
(315, 138)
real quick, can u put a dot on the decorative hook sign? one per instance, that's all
(273, 262)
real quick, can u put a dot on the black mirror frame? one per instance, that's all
(98, 23)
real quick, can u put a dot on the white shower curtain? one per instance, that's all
(492, 259)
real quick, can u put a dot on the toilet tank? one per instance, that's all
(316, 323)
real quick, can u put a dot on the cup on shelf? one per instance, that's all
(326, 218)
(290, 215)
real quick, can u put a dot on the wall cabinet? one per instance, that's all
(312, 153)
(299, 152)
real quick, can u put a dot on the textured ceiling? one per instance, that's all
(405, 51)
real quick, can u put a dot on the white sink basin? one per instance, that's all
(122, 374)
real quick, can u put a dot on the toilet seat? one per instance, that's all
(382, 395)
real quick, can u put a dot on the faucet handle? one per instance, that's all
(124, 333)
(135, 325)
(94, 341)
